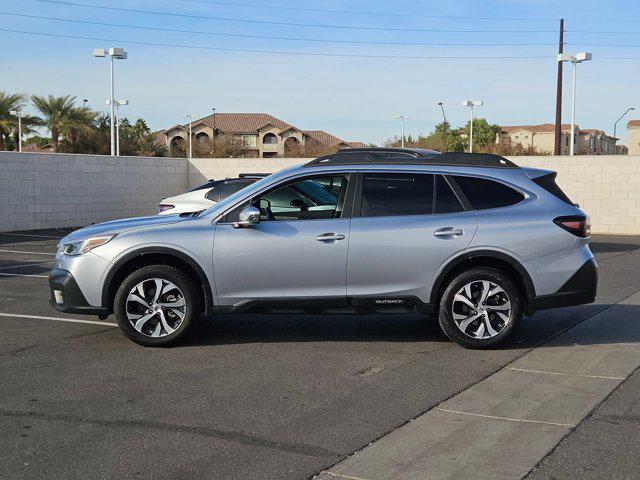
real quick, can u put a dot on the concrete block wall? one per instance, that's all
(60, 190)
(203, 169)
(607, 187)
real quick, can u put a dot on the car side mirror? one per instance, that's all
(297, 203)
(248, 216)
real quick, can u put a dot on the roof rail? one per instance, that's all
(395, 156)
(414, 152)
(253, 175)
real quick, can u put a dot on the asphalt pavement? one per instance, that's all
(251, 396)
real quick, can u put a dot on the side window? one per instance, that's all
(229, 188)
(483, 193)
(385, 194)
(446, 200)
(312, 198)
(209, 184)
(214, 193)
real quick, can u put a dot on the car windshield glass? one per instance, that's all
(232, 198)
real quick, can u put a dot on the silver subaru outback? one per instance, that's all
(472, 239)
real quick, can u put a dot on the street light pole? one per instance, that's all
(19, 115)
(573, 111)
(471, 105)
(113, 138)
(190, 117)
(574, 59)
(402, 118)
(442, 108)
(118, 104)
(112, 53)
(615, 125)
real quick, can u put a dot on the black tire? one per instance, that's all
(192, 309)
(450, 326)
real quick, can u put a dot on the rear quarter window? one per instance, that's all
(548, 182)
(484, 194)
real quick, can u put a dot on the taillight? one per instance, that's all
(165, 206)
(575, 224)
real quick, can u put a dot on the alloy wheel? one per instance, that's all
(156, 307)
(481, 309)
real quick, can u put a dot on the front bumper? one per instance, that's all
(67, 297)
(581, 288)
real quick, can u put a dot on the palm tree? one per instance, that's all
(150, 146)
(59, 114)
(140, 127)
(28, 124)
(8, 122)
(79, 121)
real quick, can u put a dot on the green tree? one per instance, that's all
(442, 139)
(140, 127)
(8, 102)
(80, 122)
(57, 114)
(150, 146)
(95, 139)
(9, 129)
(484, 134)
(221, 146)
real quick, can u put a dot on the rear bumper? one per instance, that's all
(67, 297)
(581, 288)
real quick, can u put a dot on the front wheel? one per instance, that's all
(480, 308)
(157, 305)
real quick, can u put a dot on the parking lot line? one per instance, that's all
(27, 253)
(22, 275)
(337, 475)
(39, 264)
(495, 417)
(57, 319)
(30, 235)
(505, 424)
(567, 374)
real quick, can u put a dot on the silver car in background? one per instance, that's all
(470, 238)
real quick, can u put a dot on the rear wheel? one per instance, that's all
(157, 305)
(480, 308)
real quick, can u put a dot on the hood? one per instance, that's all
(119, 226)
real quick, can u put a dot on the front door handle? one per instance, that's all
(448, 232)
(329, 237)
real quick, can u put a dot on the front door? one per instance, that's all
(405, 228)
(298, 250)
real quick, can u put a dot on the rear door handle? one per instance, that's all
(448, 232)
(329, 237)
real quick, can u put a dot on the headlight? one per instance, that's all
(80, 247)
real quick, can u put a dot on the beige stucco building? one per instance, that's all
(542, 137)
(633, 128)
(263, 134)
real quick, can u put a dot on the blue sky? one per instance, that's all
(351, 97)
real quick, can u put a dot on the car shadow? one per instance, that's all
(272, 328)
(533, 331)
(607, 247)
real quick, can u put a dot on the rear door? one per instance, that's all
(405, 226)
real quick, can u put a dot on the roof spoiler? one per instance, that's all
(534, 173)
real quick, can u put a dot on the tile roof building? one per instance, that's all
(264, 135)
(542, 137)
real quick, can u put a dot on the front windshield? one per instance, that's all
(232, 198)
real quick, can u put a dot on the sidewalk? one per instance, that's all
(503, 426)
